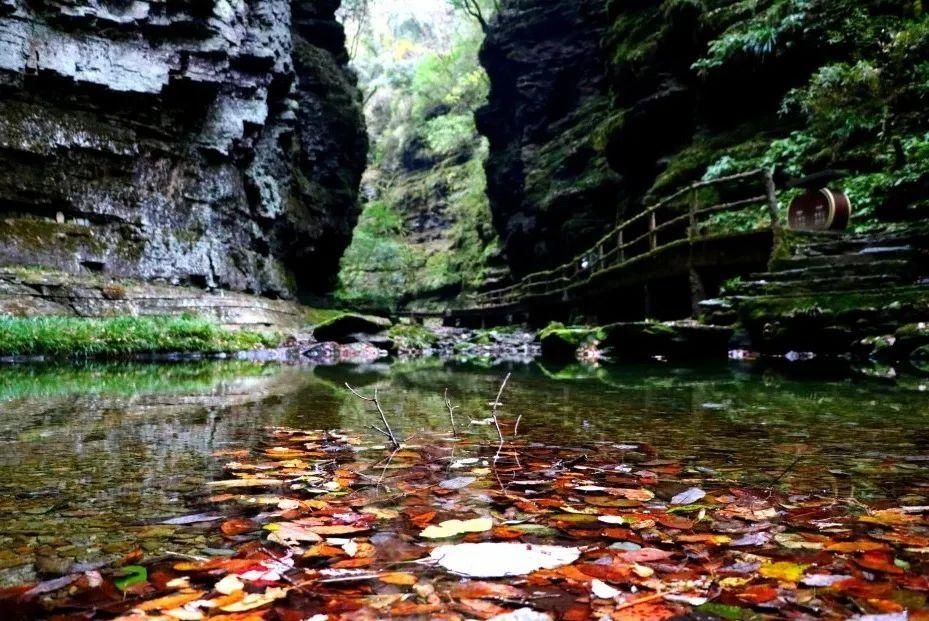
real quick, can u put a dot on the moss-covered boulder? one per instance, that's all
(560, 343)
(344, 328)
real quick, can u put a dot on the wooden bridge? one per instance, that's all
(684, 245)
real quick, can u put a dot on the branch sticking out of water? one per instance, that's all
(451, 412)
(386, 431)
(497, 403)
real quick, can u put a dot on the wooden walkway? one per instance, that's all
(701, 225)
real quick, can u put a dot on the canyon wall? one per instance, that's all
(597, 107)
(218, 144)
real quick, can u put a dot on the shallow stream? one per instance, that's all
(94, 458)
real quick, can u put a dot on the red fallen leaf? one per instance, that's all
(646, 555)
(861, 588)
(758, 594)
(477, 589)
(878, 560)
(237, 526)
(230, 565)
(577, 612)
(159, 578)
(885, 605)
(421, 520)
(906, 539)
(914, 583)
(857, 546)
(506, 533)
(621, 534)
(612, 573)
(646, 611)
(569, 573)
(674, 521)
(353, 563)
(479, 608)
(15, 593)
(528, 506)
(132, 557)
(406, 609)
(323, 550)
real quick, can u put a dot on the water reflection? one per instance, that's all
(93, 457)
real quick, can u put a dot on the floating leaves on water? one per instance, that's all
(230, 584)
(796, 541)
(689, 497)
(602, 590)
(131, 575)
(453, 528)
(612, 519)
(496, 560)
(193, 519)
(288, 534)
(785, 571)
(457, 483)
(255, 600)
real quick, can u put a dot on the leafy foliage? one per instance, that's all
(861, 109)
(426, 228)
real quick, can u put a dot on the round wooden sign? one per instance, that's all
(822, 210)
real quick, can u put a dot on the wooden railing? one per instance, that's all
(669, 222)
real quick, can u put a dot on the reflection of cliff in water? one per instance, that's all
(90, 452)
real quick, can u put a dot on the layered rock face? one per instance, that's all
(550, 189)
(216, 143)
(598, 107)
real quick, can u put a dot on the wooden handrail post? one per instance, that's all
(652, 237)
(771, 192)
(692, 232)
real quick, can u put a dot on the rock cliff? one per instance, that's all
(598, 106)
(217, 143)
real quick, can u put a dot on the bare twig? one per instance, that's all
(516, 427)
(387, 431)
(451, 412)
(497, 404)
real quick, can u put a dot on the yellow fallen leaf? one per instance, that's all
(784, 571)
(381, 514)
(451, 528)
(170, 601)
(398, 578)
(256, 600)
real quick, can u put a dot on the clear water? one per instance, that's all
(92, 458)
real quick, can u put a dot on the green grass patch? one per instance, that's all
(122, 336)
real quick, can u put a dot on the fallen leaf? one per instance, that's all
(688, 497)
(785, 571)
(453, 528)
(256, 600)
(228, 585)
(288, 534)
(499, 559)
(398, 578)
(602, 590)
